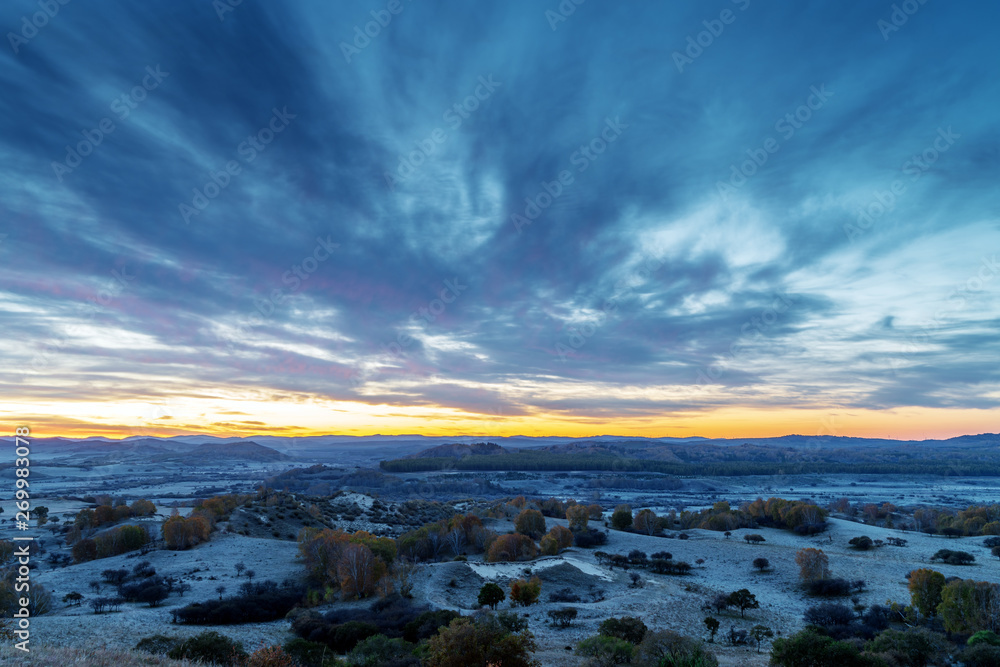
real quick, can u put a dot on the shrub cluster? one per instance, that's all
(257, 603)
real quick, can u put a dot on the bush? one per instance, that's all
(912, 647)
(626, 628)
(588, 539)
(984, 637)
(665, 647)
(261, 602)
(953, 557)
(981, 655)
(834, 587)
(808, 647)
(604, 650)
(563, 617)
(525, 593)
(481, 642)
(428, 623)
(380, 651)
(311, 654)
(829, 615)
(621, 519)
(862, 543)
(210, 647)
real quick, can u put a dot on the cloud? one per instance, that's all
(115, 293)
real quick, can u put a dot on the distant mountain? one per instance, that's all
(235, 451)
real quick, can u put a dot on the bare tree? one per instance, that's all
(456, 539)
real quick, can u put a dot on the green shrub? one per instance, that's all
(311, 654)
(984, 637)
(626, 628)
(380, 651)
(981, 655)
(604, 650)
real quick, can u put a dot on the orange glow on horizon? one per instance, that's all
(735, 423)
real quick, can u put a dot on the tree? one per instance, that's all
(563, 537)
(525, 593)
(925, 590)
(621, 519)
(512, 547)
(239, 568)
(578, 517)
(531, 523)
(712, 624)
(759, 633)
(646, 522)
(220, 589)
(627, 628)
(250, 575)
(490, 595)
(743, 600)
(761, 564)
(358, 570)
(479, 643)
(754, 538)
(456, 539)
(969, 606)
(813, 564)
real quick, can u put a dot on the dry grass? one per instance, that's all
(85, 657)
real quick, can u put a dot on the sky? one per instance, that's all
(725, 219)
